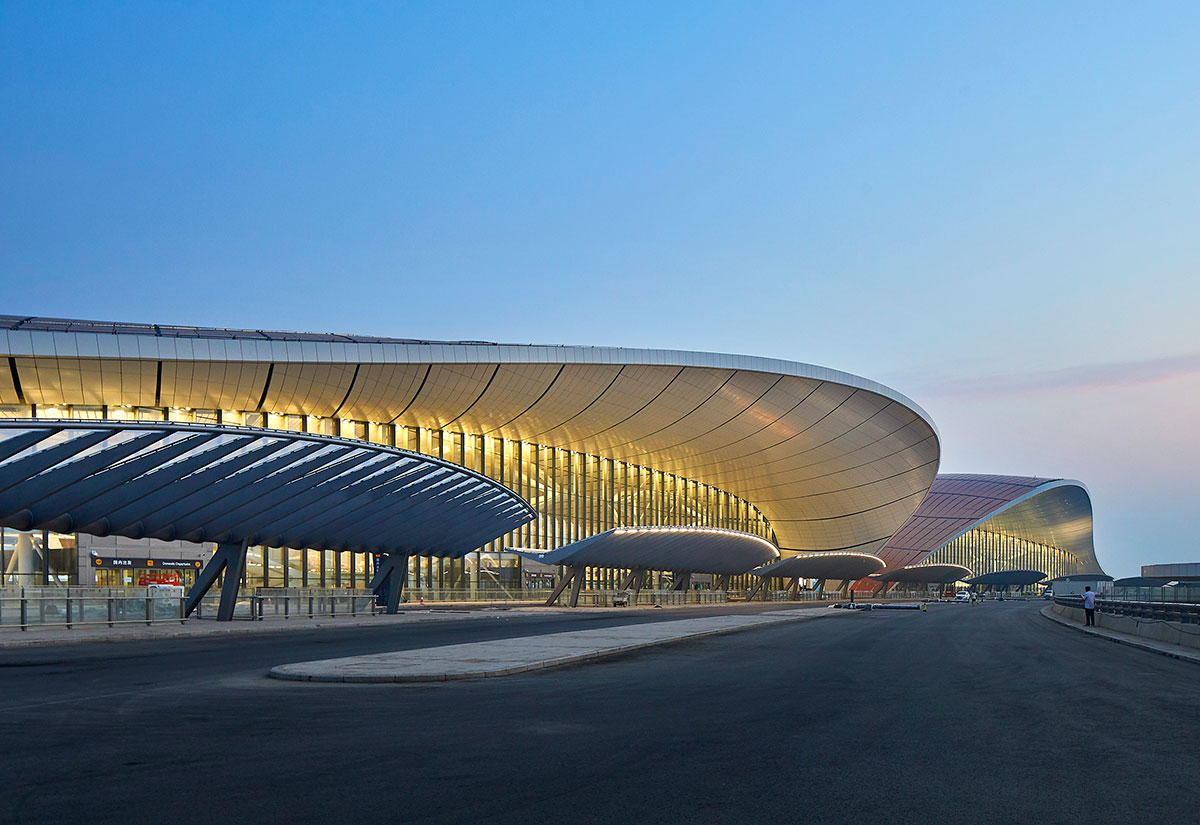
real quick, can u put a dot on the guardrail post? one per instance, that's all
(109, 605)
(149, 612)
(24, 611)
(310, 607)
(68, 611)
(182, 615)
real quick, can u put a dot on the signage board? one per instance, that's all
(130, 563)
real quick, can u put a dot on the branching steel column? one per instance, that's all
(230, 558)
(577, 572)
(634, 580)
(759, 585)
(391, 577)
(566, 578)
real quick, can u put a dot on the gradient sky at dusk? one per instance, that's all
(990, 207)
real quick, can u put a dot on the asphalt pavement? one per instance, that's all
(961, 714)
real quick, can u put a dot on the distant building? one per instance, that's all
(1075, 585)
(993, 524)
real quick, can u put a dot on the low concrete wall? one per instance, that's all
(1172, 633)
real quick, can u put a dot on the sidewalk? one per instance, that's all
(508, 656)
(1162, 648)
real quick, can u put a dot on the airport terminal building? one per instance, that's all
(532, 448)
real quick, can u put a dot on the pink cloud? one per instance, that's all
(1068, 379)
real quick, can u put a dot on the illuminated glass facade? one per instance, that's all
(984, 551)
(34, 558)
(576, 495)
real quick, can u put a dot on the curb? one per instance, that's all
(1123, 639)
(277, 672)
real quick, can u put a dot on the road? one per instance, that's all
(962, 714)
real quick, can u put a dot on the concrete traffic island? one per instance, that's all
(508, 656)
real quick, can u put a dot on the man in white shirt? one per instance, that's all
(1089, 605)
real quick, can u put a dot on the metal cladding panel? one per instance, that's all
(834, 461)
(219, 385)
(574, 389)
(448, 392)
(843, 566)
(315, 389)
(682, 549)
(380, 388)
(51, 381)
(1055, 512)
(507, 396)
(198, 483)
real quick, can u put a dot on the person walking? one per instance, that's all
(1089, 606)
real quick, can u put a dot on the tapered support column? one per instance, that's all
(572, 574)
(639, 578)
(759, 585)
(391, 577)
(722, 582)
(635, 575)
(576, 587)
(684, 582)
(229, 559)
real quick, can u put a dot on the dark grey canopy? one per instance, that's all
(223, 484)
(682, 549)
(838, 565)
(926, 574)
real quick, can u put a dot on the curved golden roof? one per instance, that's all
(833, 460)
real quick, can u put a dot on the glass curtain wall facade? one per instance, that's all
(36, 558)
(985, 551)
(575, 494)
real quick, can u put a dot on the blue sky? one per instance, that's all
(991, 209)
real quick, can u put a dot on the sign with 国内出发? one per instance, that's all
(127, 563)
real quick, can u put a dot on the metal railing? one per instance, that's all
(650, 598)
(415, 595)
(26, 607)
(32, 607)
(23, 608)
(1183, 612)
(292, 602)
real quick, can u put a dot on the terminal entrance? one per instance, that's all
(123, 571)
